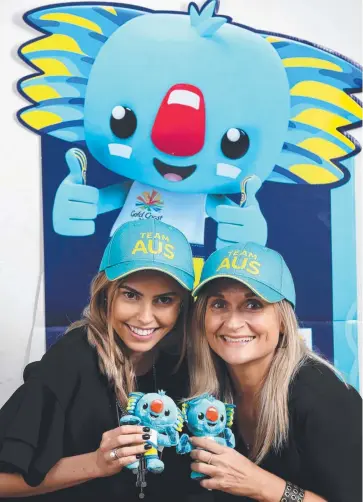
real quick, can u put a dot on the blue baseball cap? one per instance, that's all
(261, 269)
(149, 245)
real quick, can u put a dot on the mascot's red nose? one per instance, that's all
(212, 414)
(157, 406)
(179, 127)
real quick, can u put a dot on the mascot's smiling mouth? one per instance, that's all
(172, 173)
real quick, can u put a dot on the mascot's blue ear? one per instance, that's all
(230, 413)
(63, 60)
(134, 398)
(323, 108)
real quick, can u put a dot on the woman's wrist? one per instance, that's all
(94, 469)
(269, 488)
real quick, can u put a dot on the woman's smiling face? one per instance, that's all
(145, 309)
(240, 326)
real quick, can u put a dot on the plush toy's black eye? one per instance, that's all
(222, 418)
(200, 416)
(123, 122)
(145, 405)
(235, 143)
(167, 413)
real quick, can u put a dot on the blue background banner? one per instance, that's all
(225, 131)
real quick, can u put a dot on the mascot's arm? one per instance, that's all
(171, 437)
(130, 420)
(113, 197)
(184, 445)
(230, 439)
(239, 223)
(213, 201)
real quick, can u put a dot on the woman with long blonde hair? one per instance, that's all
(298, 425)
(60, 438)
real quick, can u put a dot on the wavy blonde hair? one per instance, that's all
(113, 355)
(208, 373)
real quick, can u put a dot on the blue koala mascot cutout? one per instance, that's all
(189, 108)
(158, 412)
(206, 416)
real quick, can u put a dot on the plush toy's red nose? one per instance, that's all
(179, 127)
(212, 414)
(157, 406)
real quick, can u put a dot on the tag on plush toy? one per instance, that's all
(206, 416)
(159, 412)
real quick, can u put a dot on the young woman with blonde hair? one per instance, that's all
(298, 425)
(60, 438)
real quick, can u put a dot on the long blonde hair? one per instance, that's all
(208, 373)
(113, 356)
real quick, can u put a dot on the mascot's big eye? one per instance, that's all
(123, 122)
(167, 413)
(235, 143)
(222, 418)
(145, 405)
(200, 416)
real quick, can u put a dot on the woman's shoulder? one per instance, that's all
(67, 359)
(69, 346)
(71, 342)
(317, 384)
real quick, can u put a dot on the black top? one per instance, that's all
(62, 410)
(324, 450)
(66, 404)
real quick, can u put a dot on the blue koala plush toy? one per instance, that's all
(160, 413)
(206, 416)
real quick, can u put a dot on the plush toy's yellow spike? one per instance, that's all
(178, 427)
(230, 415)
(184, 410)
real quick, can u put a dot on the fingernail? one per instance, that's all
(147, 446)
(146, 436)
(146, 429)
(139, 455)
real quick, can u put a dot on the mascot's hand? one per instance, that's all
(184, 445)
(75, 204)
(130, 420)
(242, 224)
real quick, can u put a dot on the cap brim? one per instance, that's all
(124, 269)
(266, 293)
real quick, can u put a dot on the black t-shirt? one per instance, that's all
(62, 410)
(324, 449)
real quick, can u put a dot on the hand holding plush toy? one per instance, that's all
(158, 412)
(207, 417)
